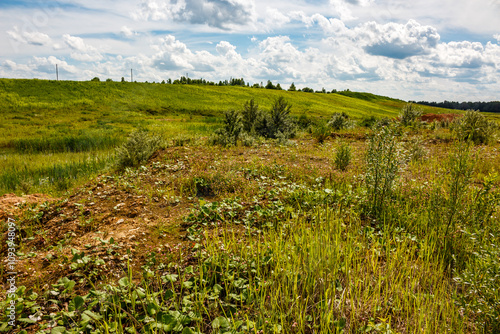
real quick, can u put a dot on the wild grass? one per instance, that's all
(272, 238)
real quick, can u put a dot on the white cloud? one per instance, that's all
(497, 37)
(39, 67)
(84, 52)
(175, 55)
(29, 37)
(396, 40)
(214, 13)
(275, 18)
(126, 31)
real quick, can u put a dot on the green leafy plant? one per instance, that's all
(342, 156)
(475, 127)
(321, 132)
(138, 148)
(383, 161)
(410, 114)
(339, 121)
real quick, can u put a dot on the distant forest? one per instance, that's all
(481, 106)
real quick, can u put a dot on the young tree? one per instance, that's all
(270, 85)
(292, 88)
(250, 115)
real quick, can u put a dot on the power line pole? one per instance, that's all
(131, 76)
(57, 73)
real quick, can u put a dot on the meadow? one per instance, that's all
(346, 227)
(72, 121)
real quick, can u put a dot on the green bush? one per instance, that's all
(475, 127)
(368, 121)
(479, 282)
(410, 114)
(278, 122)
(321, 132)
(383, 161)
(138, 148)
(250, 116)
(230, 133)
(339, 121)
(342, 156)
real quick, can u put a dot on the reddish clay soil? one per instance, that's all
(439, 117)
(10, 204)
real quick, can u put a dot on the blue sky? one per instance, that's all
(428, 50)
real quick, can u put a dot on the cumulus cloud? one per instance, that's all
(175, 55)
(43, 67)
(83, 51)
(497, 37)
(126, 31)
(396, 40)
(275, 18)
(214, 13)
(29, 37)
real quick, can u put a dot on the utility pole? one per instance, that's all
(131, 76)
(57, 73)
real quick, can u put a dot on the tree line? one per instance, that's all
(493, 106)
(184, 80)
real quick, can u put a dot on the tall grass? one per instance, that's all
(67, 143)
(49, 173)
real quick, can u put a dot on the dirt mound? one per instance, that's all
(10, 203)
(439, 117)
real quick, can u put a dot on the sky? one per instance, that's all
(432, 50)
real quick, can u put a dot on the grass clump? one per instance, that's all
(475, 127)
(339, 121)
(321, 132)
(383, 161)
(230, 133)
(410, 114)
(251, 122)
(343, 156)
(138, 148)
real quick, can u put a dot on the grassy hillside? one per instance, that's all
(392, 228)
(79, 123)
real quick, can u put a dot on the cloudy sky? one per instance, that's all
(431, 50)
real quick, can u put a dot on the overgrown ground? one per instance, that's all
(271, 239)
(57, 134)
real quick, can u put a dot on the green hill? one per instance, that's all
(80, 122)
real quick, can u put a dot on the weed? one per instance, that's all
(339, 121)
(138, 148)
(342, 156)
(321, 132)
(475, 127)
(410, 114)
(383, 161)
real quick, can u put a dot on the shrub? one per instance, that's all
(385, 121)
(383, 160)
(250, 116)
(339, 121)
(416, 149)
(368, 121)
(321, 132)
(480, 281)
(229, 134)
(138, 148)
(277, 122)
(410, 114)
(342, 156)
(475, 127)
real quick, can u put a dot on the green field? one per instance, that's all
(341, 228)
(40, 117)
